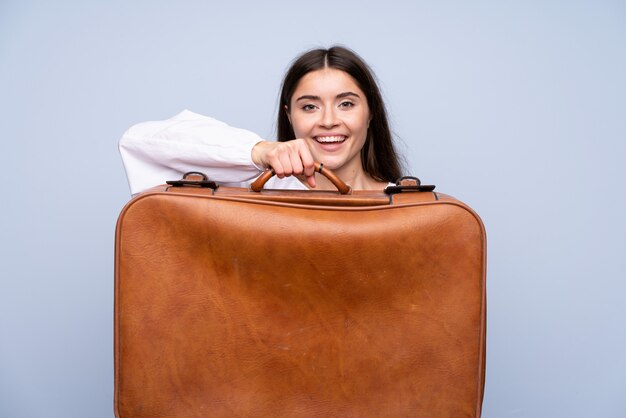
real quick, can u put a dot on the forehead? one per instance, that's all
(327, 82)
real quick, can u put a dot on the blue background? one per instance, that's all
(516, 107)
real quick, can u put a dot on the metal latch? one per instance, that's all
(194, 179)
(409, 184)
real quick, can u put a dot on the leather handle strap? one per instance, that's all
(343, 188)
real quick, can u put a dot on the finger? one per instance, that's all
(308, 163)
(277, 167)
(296, 163)
(285, 162)
(274, 163)
(311, 181)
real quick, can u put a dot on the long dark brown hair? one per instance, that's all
(378, 155)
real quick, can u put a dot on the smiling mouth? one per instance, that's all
(334, 139)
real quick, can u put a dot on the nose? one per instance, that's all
(328, 117)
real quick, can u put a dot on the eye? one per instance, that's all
(308, 107)
(346, 104)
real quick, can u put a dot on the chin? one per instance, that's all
(331, 163)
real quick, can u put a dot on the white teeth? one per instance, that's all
(327, 139)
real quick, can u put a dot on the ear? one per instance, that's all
(288, 113)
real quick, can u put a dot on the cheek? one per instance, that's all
(297, 130)
(300, 126)
(358, 123)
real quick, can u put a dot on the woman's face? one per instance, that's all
(330, 112)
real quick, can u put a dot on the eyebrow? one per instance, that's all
(339, 96)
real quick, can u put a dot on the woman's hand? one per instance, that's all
(286, 158)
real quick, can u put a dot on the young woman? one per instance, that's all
(331, 111)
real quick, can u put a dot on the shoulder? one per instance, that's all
(193, 116)
(186, 117)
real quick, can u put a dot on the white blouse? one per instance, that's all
(156, 151)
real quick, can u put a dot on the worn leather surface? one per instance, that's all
(229, 306)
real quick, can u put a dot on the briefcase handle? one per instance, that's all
(343, 188)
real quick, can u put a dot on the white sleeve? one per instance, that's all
(154, 152)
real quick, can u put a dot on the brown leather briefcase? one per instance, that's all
(236, 303)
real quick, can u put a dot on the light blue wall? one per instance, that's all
(516, 107)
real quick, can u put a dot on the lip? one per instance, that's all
(330, 138)
(330, 143)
